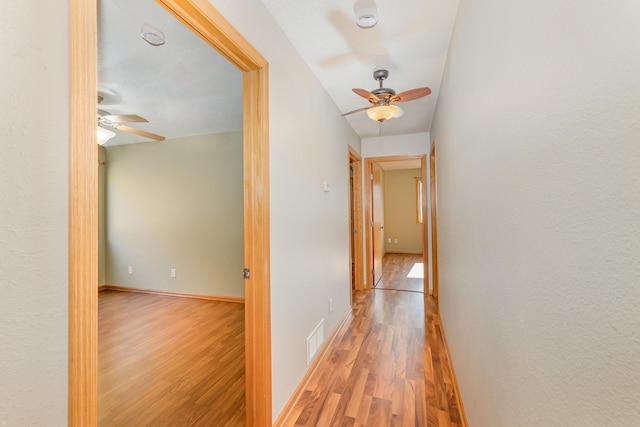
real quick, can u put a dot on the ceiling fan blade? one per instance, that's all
(412, 94)
(356, 111)
(125, 118)
(366, 95)
(139, 132)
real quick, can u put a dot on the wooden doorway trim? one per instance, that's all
(434, 224)
(425, 225)
(205, 21)
(357, 235)
(368, 162)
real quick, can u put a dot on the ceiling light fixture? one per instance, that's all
(152, 35)
(380, 113)
(104, 135)
(366, 13)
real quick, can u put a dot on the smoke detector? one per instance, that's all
(366, 13)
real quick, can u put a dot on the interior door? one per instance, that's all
(376, 221)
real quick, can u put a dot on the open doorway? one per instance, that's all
(395, 209)
(204, 20)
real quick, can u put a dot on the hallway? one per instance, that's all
(382, 369)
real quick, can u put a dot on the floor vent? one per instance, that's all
(314, 341)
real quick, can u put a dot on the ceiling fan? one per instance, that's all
(383, 99)
(108, 120)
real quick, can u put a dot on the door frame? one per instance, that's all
(212, 27)
(367, 206)
(356, 234)
(434, 224)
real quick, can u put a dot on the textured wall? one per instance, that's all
(33, 213)
(177, 204)
(538, 141)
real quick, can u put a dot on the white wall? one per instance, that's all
(33, 213)
(177, 205)
(309, 227)
(538, 130)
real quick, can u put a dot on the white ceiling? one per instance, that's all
(185, 88)
(411, 40)
(182, 88)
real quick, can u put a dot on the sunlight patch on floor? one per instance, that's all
(417, 271)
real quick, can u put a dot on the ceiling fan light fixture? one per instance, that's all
(104, 135)
(380, 113)
(366, 13)
(152, 35)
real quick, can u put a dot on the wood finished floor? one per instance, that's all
(166, 361)
(387, 367)
(395, 268)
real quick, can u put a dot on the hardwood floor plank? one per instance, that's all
(364, 409)
(356, 393)
(409, 405)
(397, 396)
(329, 410)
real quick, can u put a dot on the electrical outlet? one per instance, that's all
(395, 240)
(330, 305)
(130, 269)
(173, 272)
(389, 240)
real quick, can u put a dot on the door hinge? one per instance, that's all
(371, 224)
(246, 273)
(371, 177)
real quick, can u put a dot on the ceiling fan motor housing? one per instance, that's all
(383, 93)
(380, 74)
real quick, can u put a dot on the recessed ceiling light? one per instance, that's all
(366, 13)
(152, 35)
